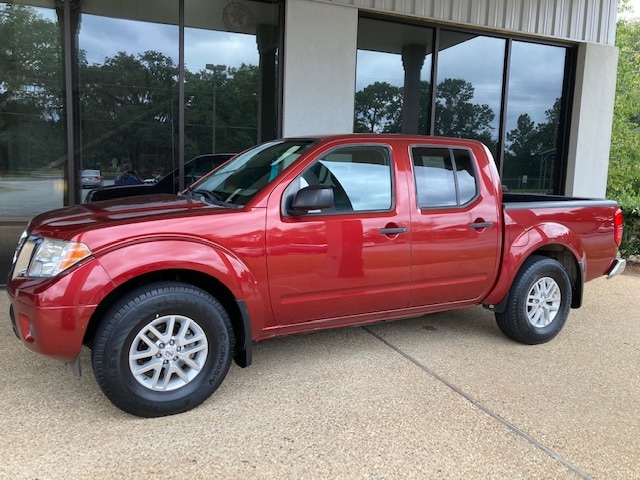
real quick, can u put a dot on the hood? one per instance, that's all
(67, 222)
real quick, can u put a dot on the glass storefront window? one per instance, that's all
(231, 68)
(468, 97)
(469, 89)
(393, 77)
(128, 92)
(124, 85)
(536, 79)
(32, 149)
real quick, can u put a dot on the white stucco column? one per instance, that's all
(592, 118)
(319, 68)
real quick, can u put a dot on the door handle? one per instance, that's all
(393, 230)
(481, 225)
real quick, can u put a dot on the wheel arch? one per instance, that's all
(571, 264)
(235, 308)
(548, 240)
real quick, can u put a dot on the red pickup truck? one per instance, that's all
(291, 236)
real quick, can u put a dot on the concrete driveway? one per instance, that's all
(440, 396)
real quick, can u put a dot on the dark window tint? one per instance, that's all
(534, 118)
(470, 77)
(444, 178)
(393, 77)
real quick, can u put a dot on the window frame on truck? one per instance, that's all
(301, 180)
(446, 163)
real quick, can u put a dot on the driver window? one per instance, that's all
(360, 177)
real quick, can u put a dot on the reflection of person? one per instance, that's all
(127, 176)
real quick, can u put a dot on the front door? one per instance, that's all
(348, 260)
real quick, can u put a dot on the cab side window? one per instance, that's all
(444, 177)
(360, 177)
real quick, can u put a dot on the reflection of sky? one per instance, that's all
(536, 74)
(535, 78)
(102, 37)
(480, 61)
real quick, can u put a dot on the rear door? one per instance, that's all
(348, 260)
(455, 227)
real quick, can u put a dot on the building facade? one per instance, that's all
(89, 84)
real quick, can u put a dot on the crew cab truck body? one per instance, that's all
(291, 236)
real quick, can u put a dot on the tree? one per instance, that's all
(30, 89)
(624, 160)
(457, 115)
(529, 147)
(127, 108)
(378, 108)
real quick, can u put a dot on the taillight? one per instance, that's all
(618, 223)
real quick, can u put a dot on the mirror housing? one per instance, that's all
(314, 197)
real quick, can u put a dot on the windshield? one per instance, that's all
(240, 179)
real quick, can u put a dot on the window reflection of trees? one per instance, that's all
(526, 139)
(127, 103)
(378, 109)
(31, 128)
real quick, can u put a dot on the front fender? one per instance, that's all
(245, 280)
(545, 238)
(135, 259)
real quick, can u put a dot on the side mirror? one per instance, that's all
(315, 197)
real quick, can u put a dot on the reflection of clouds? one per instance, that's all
(535, 81)
(535, 77)
(480, 61)
(374, 67)
(102, 37)
(367, 186)
(208, 46)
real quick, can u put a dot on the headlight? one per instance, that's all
(54, 256)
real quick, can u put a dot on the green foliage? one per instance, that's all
(457, 115)
(30, 88)
(623, 182)
(624, 161)
(378, 108)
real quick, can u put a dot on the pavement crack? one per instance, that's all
(522, 434)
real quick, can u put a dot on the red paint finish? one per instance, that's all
(299, 272)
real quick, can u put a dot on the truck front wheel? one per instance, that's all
(162, 349)
(539, 302)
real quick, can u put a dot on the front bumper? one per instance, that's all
(51, 316)
(617, 267)
(54, 332)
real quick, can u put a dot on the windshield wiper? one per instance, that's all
(212, 198)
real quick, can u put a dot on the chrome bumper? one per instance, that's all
(617, 268)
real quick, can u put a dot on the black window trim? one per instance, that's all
(315, 215)
(454, 164)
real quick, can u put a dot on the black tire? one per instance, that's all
(538, 303)
(162, 349)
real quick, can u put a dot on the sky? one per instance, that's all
(635, 5)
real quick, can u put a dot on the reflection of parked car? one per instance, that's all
(193, 170)
(90, 178)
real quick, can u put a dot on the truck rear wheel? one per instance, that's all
(162, 349)
(539, 302)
